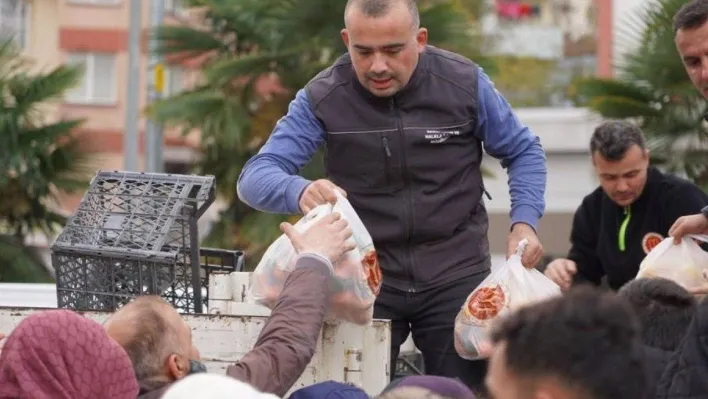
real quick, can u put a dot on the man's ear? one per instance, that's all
(177, 366)
(345, 37)
(422, 39)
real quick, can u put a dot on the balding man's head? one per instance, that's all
(379, 8)
(155, 337)
(384, 39)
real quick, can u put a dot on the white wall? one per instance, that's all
(28, 295)
(565, 135)
(625, 14)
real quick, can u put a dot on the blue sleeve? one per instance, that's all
(269, 181)
(519, 150)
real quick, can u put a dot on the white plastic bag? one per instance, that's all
(357, 276)
(505, 290)
(682, 263)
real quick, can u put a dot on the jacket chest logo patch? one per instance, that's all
(650, 241)
(439, 136)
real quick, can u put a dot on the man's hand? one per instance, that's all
(561, 272)
(317, 193)
(533, 252)
(328, 237)
(693, 224)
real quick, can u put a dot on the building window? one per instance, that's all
(14, 17)
(98, 84)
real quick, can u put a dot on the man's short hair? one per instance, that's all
(587, 340)
(691, 15)
(612, 139)
(664, 308)
(379, 8)
(150, 336)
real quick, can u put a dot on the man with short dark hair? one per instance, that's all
(584, 345)
(691, 37)
(405, 125)
(631, 212)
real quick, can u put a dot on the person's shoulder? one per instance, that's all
(451, 69)
(338, 74)
(593, 201)
(671, 186)
(438, 57)
(449, 64)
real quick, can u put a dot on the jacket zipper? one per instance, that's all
(387, 158)
(408, 211)
(621, 242)
(486, 193)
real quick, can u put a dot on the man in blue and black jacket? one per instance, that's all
(404, 125)
(631, 212)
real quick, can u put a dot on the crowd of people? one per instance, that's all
(405, 126)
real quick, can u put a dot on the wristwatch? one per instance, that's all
(704, 211)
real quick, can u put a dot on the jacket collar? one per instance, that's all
(654, 178)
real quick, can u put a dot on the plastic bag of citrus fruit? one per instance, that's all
(506, 289)
(683, 263)
(357, 275)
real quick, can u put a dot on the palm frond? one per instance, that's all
(39, 156)
(28, 91)
(186, 41)
(20, 263)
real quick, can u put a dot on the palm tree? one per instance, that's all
(238, 43)
(654, 90)
(39, 159)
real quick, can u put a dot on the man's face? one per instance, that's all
(182, 364)
(692, 44)
(500, 383)
(624, 180)
(384, 50)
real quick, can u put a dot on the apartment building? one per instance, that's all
(94, 33)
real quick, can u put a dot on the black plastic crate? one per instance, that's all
(136, 234)
(409, 364)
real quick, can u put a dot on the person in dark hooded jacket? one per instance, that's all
(686, 375)
(665, 310)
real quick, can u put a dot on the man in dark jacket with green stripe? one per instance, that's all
(632, 211)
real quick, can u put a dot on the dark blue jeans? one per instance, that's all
(430, 317)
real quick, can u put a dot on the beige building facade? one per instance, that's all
(94, 33)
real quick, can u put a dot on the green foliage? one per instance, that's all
(525, 80)
(653, 89)
(40, 159)
(244, 40)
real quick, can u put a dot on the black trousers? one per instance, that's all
(430, 317)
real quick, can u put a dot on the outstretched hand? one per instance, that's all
(329, 237)
(692, 224)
